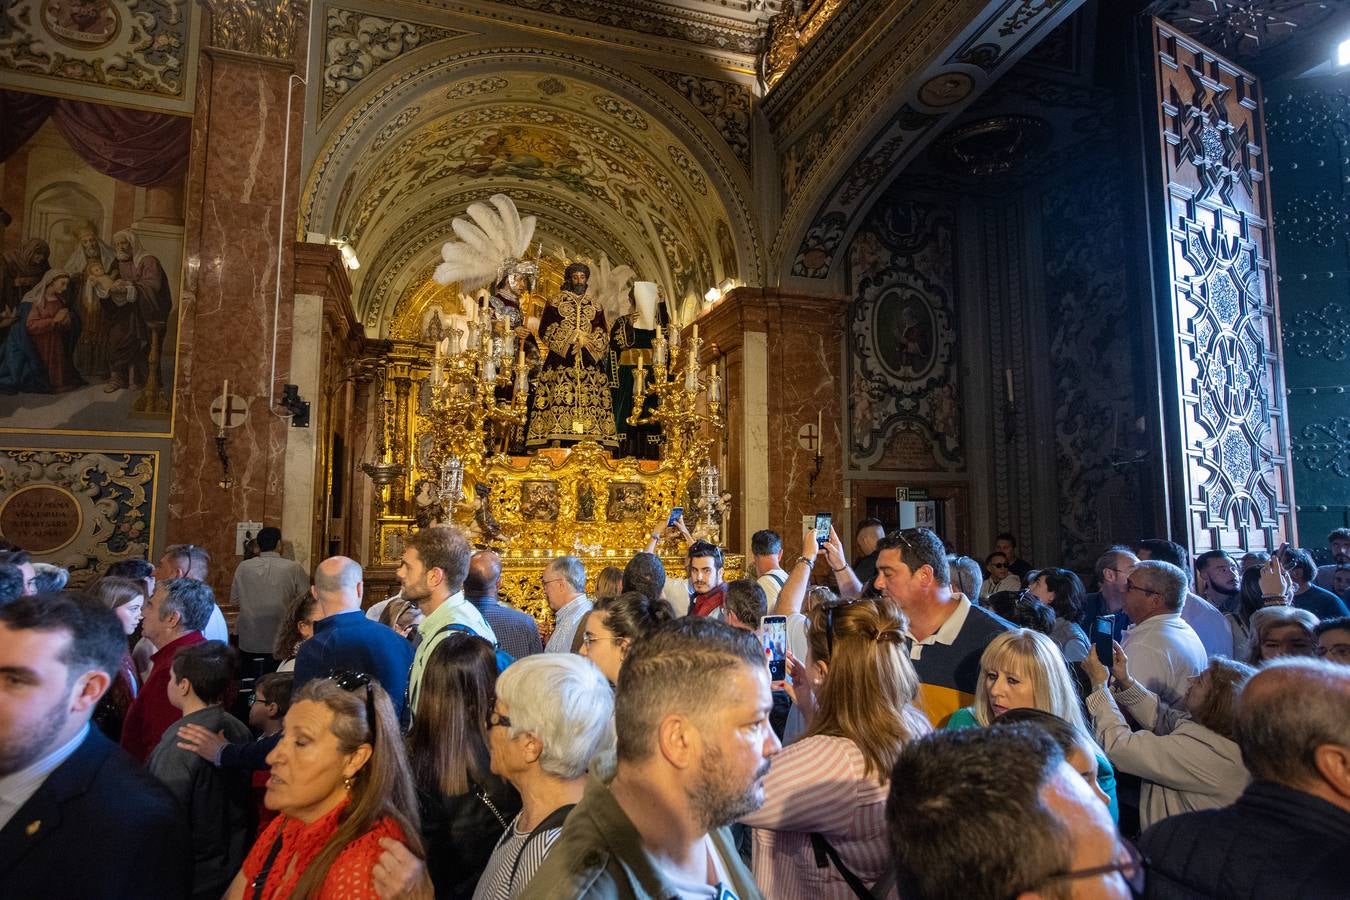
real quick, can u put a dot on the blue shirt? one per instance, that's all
(350, 641)
(1321, 603)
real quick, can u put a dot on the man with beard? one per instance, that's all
(92, 267)
(136, 312)
(571, 396)
(1339, 543)
(66, 792)
(1216, 575)
(691, 715)
(431, 574)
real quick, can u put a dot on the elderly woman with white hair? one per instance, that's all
(554, 714)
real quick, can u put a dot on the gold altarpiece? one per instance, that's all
(576, 500)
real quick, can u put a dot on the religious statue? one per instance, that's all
(630, 340)
(93, 268)
(571, 397)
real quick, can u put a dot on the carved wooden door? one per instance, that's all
(1225, 424)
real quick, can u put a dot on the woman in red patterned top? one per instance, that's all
(341, 785)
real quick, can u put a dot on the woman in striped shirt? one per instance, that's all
(553, 716)
(857, 691)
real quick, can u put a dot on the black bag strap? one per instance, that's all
(554, 819)
(261, 881)
(826, 854)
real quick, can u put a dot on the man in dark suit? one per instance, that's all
(79, 818)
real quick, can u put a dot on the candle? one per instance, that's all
(674, 338)
(820, 431)
(714, 386)
(490, 370)
(659, 349)
(639, 382)
(695, 331)
(224, 406)
(691, 374)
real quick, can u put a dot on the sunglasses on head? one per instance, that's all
(353, 681)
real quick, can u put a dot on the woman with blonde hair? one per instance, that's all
(825, 794)
(1187, 758)
(1023, 669)
(341, 785)
(1281, 631)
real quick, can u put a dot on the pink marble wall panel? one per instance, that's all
(233, 216)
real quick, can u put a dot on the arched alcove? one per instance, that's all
(610, 160)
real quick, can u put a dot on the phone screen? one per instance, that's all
(674, 514)
(822, 528)
(773, 633)
(1102, 631)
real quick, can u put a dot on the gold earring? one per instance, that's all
(347, 782)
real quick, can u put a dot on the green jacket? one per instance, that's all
(599, 856)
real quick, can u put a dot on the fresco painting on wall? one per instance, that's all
(91, 251)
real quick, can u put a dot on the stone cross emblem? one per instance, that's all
(808, 437)
(229, 412)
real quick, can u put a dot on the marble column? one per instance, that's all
(325, 341)
(783, 354)
(236, 312)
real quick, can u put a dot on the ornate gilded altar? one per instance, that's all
(453, 387)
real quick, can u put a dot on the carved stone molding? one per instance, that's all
(265, 29)
(356, 45)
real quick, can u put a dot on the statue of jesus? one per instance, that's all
(571, 399)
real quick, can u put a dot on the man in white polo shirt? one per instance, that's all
(1164, 651)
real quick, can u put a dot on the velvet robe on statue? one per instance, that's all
(571, 398)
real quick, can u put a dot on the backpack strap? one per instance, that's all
(554, 819)
(826, 854)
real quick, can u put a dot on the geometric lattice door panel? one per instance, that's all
(1227, 432)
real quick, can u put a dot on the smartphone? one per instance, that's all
(1103, 631)
(773, 632)
(674, 514)
(822, 528)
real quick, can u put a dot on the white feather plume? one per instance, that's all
(489, 236)
(610, 284)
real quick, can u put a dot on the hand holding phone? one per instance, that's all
(773, 632)
(822, 528)
(674, 516)
(1103, 631)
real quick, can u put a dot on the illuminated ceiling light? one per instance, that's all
(1343, 53)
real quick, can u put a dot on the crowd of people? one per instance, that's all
(940, 729)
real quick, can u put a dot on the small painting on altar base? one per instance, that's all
(91, 256)
(627, 502)
(539, 501)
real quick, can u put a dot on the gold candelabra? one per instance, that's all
(688, 411)
(483, 383)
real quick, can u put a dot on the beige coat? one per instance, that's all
(1185, 766)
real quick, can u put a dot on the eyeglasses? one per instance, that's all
(1131, 586)
(352, 681)
(1132, 869)
(548, 581)
(998, 565)
(254, 698)
(496, 719)
(587, 639)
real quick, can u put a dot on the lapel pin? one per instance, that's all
(33, 827)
